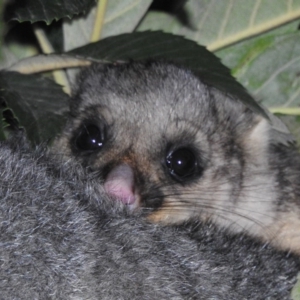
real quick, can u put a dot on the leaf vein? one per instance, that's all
(254, 13)
(226, 19)
(121, 12)
(276, 73)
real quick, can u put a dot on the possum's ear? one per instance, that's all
(256, 141)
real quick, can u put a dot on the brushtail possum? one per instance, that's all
(61, 237)
(164, 143)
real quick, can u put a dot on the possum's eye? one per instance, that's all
(90, 138)
(182, 163)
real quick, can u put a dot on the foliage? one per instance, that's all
(259, 44)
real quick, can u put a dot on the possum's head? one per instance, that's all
(160, 139)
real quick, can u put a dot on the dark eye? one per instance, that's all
(182, 163)
(90, 138)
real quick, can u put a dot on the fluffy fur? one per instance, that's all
(145, 110)
(61, 238)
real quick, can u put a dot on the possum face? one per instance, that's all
(161, 140)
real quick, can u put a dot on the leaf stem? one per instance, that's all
(59, 75)
(99, 19)
(48, 62)
(253, 30)
(294, 111)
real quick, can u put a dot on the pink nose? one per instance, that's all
(120, 184)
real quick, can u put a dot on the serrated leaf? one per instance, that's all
(77, 32)
(123, 16)
(277, 79)
(120, 17)
(269, 67)
(217, 24)
(48, 10)
(159, 45)
(54, 33)
(38, 103)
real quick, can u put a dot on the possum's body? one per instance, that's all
(163, 141)
(61, 238)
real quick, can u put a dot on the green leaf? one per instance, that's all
(269, 67)
(120, 17)
(38, 103)
(280, 84)
(123, 16)
(48, 10)
(218, 24)
(159, 45)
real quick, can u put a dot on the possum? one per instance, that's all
(165, 143)
(62, 237)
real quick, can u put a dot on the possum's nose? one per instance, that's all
(119, 184)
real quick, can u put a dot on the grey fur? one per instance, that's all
(247, 184)
(60, 238)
